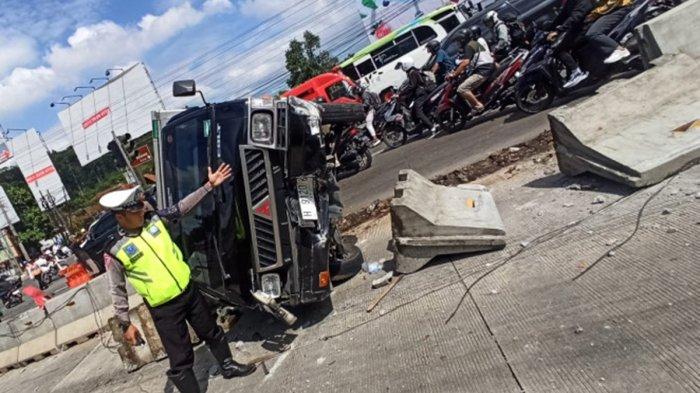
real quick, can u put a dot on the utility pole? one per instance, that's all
(129, 169)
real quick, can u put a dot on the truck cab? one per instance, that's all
(268, 237)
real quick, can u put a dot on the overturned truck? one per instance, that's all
(267, 238)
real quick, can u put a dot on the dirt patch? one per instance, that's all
(500, 159)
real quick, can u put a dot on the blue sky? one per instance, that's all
(47, 47)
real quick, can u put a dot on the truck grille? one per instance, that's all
(261, 207)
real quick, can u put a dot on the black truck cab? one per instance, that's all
(267, 237)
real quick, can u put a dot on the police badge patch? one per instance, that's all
(154, 231)
(132, 251)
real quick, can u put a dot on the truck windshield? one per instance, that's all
(185, 155)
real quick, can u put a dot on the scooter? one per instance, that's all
(391, 123)
(543, 76)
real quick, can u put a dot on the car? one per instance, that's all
(99, 236)
(327, 87)
(269, 237)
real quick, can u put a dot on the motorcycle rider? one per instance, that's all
(476, 53)
(443, 62)
(500, 32)
(570, 22)
(602, 20)
(417, 91)
(371, 102)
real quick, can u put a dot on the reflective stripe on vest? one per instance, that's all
(153, 264)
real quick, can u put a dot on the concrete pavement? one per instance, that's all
(628, 324)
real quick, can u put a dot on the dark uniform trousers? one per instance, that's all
(170, 322)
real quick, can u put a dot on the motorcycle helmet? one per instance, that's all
(490, 19)
(433, 46)
(474, 32)
(405, 63)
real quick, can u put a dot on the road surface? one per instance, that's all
(443, 154)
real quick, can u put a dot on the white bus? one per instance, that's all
(375, 63)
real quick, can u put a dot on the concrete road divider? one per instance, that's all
(672, 32)
(37, 335)
(9, 346)
(429, 220)
(637, 131)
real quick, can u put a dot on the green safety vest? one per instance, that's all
(153, 263)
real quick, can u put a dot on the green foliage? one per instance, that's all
(34, 225)
(305, 59)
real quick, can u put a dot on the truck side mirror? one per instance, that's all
(184, 88)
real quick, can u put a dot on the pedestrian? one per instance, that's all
(145, 254)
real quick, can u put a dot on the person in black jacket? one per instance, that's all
(570, 23)
(418, 91)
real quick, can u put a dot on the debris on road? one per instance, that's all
(611, 242)
(575, 187)
(385, 292)
(598, 200)
(666, 211)
(382, 281)
(456, 220)
(372, 267)
(578, 330)
(611, 253)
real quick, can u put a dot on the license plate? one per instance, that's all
(307, 202)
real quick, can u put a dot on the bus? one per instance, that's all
(375, 63)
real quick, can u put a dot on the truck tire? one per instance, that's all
(348, 266)
(342, 113)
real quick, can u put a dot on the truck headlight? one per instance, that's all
(261, 127)
(271, 285)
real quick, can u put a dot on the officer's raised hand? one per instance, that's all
(221, 175)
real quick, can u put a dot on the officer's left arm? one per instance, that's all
(186, 204)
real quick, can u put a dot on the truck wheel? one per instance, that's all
(342, 113)
(347, 266)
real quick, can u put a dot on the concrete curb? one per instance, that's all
(72, 317)
(670, 33)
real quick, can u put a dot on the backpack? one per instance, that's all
(516, 30)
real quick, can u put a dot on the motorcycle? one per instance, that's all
(352, 149)
(10, 292)
(543, 75)
(496, 93)
(391, 123)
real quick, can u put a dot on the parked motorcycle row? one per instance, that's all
(531, 78)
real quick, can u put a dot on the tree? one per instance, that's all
(305, 59)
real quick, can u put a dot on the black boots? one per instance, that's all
(230, 368)
(222, 353)
(184, 380)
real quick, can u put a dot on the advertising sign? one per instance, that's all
(122, 105)
(5, 153)
(35, 164)
(143, 155)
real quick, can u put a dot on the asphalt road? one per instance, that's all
(445, 153)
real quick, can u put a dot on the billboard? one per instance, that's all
(33, 161)
(5, 153)
(122, 105)
(9, 210)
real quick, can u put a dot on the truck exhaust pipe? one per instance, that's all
(271, 306)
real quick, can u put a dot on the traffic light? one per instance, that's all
(129, 149)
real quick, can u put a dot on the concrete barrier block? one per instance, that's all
(9, 346)
(430, 220)
(633, 132)
(672, 32)
(37, 335)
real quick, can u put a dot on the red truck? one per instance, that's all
(329, 87)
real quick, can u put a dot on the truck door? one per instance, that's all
(185, 148)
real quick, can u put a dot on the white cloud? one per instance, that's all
(263, 8)
(98, 45)
(16, 51)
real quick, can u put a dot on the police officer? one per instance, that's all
(147, 256)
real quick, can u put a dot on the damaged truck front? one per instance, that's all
(269, 237)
